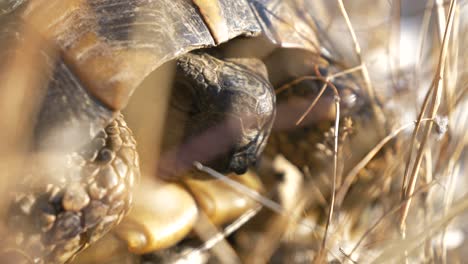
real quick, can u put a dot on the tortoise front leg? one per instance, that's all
(166, 213)
(62, 207)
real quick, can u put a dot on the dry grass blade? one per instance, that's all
(396, 249)
(311, 106)
(422, 36)
(413, 140)
(228, 230)
(436, 91)
(365, 72)
(326, 82)
(335, 176)
(381, 218)
(295, 82)
(351, 176)
(206, 230)
(242, 189)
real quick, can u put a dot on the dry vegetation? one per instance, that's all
(403, 200)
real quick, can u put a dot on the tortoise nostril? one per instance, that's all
(240, 163)
(253, 162)
(236, 165)
(239, 168)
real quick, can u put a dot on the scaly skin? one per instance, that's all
(55, 214)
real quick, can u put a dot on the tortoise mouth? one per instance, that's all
(245, 156)
(240, 163)
(234, 161)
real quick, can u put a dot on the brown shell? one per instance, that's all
(112, 45)
(108, 47)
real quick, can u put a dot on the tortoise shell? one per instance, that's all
(98, 52)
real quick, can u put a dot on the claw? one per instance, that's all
(163, 214)
(221, 202)
(109, 249)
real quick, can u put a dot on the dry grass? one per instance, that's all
(426, 165)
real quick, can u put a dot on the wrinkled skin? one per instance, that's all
(221, 112)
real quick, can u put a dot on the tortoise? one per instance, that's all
(94, 54)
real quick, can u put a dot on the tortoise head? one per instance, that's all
(229, 107)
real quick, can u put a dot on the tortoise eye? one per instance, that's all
(348, 98)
